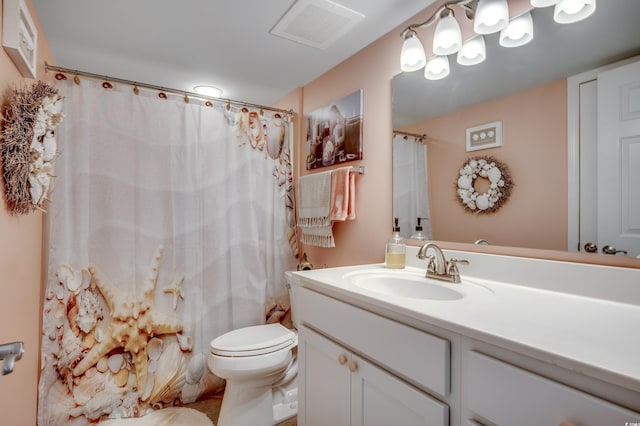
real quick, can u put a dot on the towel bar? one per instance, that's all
(9, 354)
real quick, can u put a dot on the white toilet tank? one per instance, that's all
(292, 285)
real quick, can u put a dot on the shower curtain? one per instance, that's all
(410, 189)
(170, 224)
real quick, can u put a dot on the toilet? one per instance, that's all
(260, 366)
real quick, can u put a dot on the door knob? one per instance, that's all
(590, 248)
(612, 250)
(353, 366)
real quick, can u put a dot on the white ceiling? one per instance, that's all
(179, 44)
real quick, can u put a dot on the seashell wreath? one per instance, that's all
(500, 185)
(29, 146)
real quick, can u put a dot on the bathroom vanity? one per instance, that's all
(519, 341)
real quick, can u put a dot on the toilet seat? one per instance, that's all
(252, 341)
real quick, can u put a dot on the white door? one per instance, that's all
(619, 159)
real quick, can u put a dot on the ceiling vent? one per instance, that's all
(316, 23)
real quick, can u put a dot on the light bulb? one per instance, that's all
(519, 31)
(570, 11)
(412, 57)
(447, 38)
(472, 51)
(491, 16)
(436, 68)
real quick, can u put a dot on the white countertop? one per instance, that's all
(571, 329)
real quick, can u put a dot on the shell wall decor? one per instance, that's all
(29, 146)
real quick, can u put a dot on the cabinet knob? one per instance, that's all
(567, 424)
(353, 366)
(342, 359)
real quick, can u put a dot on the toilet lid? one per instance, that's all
(255, 340)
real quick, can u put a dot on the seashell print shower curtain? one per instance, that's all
(166, 230)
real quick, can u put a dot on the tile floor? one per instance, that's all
(211, 407)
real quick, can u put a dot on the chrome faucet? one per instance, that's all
(438, 267)
(437, 264)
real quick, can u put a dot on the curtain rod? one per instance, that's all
(48, 67)
(415, 135)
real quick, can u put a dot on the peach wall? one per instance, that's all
(535, 215)
(362, 240)
(20, 274)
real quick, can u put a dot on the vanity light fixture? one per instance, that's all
(488, 16)
(519, 31)
(447, 38)
(544, 3)
(437, 68)
(570, 11)
(491, 16)
(472, 52)
(412, 57)
(207, 90)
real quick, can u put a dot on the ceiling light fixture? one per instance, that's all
(488, 16)
(206, 90)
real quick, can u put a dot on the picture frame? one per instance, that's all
(334, 132)
(484, 136)
(20, 36)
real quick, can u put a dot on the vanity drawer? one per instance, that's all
(419, 357)
(507, 395)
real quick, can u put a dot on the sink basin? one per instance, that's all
(403, 284)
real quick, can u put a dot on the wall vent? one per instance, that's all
(316, 23)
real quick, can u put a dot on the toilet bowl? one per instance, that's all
(260, 367)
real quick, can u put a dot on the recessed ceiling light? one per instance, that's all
(208, 90)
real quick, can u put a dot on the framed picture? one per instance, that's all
(20, 36)
(334, 132)
(484, 136)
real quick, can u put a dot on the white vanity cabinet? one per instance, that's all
(337, 387)
(549, 347)
(355, 368)
(502, 394)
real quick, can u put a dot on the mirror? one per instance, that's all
(524, 88)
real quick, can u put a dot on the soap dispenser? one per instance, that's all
(396, 249)
(419, 235)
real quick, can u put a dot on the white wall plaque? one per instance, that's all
(20, 36)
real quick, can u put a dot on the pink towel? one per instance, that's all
(343, 194)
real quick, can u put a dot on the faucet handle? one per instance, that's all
(431, 264)
(453, 260)
(452, 268)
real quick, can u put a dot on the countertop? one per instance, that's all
(579, 332)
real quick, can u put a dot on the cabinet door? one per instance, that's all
(324, 387)
(506, 395)
(378, 398)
